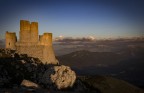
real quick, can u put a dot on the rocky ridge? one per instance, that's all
(16, 67)
(21, 74)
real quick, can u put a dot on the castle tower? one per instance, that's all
(48, 51)
(11, 39)
(34, 31)
(24, 31)
(46, 39)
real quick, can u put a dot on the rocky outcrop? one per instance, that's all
(16, 67)
(61, 76)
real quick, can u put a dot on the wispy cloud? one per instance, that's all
(73, 40)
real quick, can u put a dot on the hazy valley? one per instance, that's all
(123, 59)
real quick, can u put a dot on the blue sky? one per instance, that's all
(76, 18)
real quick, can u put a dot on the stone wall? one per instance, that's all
(43, 52)
(33, 50)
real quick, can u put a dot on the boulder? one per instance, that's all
(27, 83)
(61, 76)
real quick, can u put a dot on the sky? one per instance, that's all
(75, 18)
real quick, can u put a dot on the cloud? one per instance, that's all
(73, 40)
(65, 45)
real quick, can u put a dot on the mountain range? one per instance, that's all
(126, 64)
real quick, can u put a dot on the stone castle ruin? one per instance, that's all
(39, 46)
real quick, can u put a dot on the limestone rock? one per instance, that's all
(61, 76)
(28, 83)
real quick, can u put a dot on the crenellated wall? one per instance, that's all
(29, 43)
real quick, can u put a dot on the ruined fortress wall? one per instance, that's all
(44, 53)
(30, 44)
(24, 31)
(34, 31)
(31, 49)
(11, 39)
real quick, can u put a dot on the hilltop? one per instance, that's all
(15, 67)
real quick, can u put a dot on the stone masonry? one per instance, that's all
(30, 43)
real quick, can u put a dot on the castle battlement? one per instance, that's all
(39, 46)
(28, 31)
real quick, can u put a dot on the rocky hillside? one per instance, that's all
(20, 73)
(86, 58)
(109, 85)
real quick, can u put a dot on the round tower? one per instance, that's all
(11, 39)
(48, 51)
